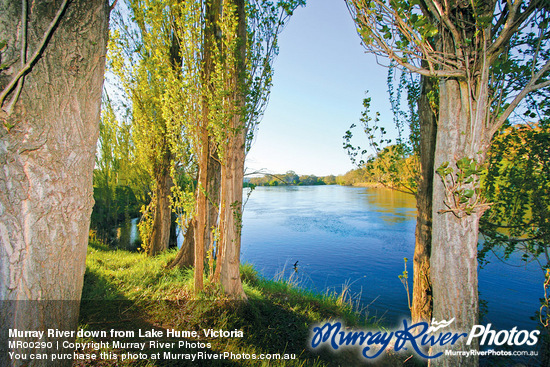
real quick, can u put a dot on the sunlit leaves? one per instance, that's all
(463, 193)
(518, 184)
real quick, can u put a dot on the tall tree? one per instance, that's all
(51, 79)
(459, 47)
(228, 57)
(147, 58)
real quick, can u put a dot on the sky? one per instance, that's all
(321, 75)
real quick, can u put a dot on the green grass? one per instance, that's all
(130, 291)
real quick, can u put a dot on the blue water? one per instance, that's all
(358, 237)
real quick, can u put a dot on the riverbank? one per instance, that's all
(376, 185)
(129, 291)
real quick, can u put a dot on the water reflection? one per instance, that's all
(400, 206)
(127, 235)
(360, 236)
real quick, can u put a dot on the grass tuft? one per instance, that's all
(130, 291)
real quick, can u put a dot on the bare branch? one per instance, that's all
(112, 6)
(36, 54)
(511, 25)
(22, 57)
(530, 87)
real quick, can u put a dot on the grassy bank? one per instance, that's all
(128, 291)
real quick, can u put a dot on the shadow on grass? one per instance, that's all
(275, 321)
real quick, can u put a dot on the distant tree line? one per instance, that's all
(290, 178)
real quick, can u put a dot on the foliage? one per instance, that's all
(488, 43)
(392, 165)
(145, 62)
(463, 187)
(290, 179)
(544, 313)
(518, 185)
(266, 19)
(120, 186)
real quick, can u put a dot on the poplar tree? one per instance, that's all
(238, 46)
(459, 42)
(147, 58)
(52, 57)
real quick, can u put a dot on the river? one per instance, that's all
(358, 238)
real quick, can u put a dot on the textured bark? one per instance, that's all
(214, 182)
(186, 254)
(233, 175)
(203, 213)
(422, 285)
(454, 240)
(162, 219)
(47, 159)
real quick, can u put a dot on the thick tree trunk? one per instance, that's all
(232, 183)
(47, 148)
(454, 240)
(162, 219)
(422, 285)
(186, 254)
(233, 174)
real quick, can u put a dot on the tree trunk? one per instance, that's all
(454, 240)
(205, 182)
(47, 148)
(214, 182)
(422, 285)
(186, 254)
(201, 212)
(162, 219)
(232, 183)
(233, 174)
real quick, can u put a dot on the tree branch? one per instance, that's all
(22, 57)
(530, 87)
(36, 54)
(511, 25)
(112, 6)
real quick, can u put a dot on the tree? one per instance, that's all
(459, 43)
(233, 72)
(120, 186)
(422, 302)
(51, 81)
(148, 60)
(291, 178)
(407, 166)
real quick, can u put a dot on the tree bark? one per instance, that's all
(201, 212)
(206, 182)
(214, 182)
(422, 285)
(162, 219)
(47, 148)
(454, 240)
(186, 254)
(233, 174)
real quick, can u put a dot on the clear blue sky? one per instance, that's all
(321, 75)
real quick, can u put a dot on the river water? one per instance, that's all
(358, 238)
